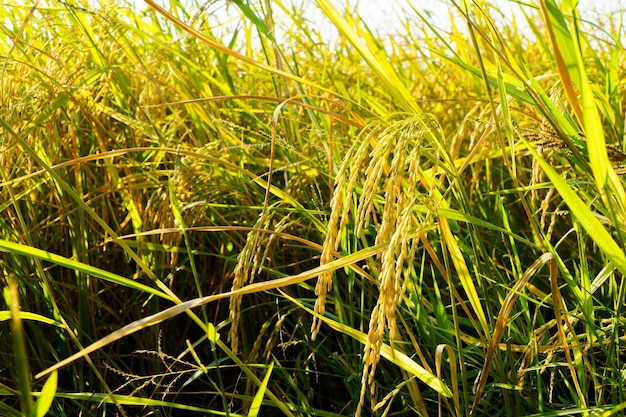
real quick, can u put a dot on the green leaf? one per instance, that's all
(25, 315)
(47, 396)
(29, 251)
(258, 397)
(249, 13)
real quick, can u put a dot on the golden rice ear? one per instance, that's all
(245, 271)
(390, 163)
(348, 176)
(325, 280)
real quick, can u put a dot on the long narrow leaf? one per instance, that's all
(28, 251)
(385, 72)
(587, 219)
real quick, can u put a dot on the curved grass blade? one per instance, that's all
(503, 316)
(587, 219)
(137, 401)
(564, 52)
(183, 307)
(29, 251)
(398, 358)
(47, 395)
(258, 397)
(383, 69)
(464, 275)
(22, 369)
(25, 315)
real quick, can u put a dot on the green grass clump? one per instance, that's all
(244, 215)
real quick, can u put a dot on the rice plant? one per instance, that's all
(222, 209)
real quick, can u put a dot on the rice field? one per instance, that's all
(232, 208)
